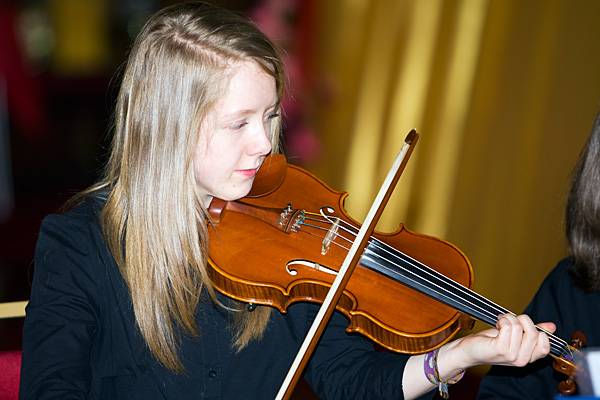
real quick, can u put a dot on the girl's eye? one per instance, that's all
(239, 125)
(273, 115)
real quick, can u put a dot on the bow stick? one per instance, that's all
(350, 262)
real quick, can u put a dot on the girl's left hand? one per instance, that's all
(515, 342)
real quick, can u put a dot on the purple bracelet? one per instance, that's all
(431, 372)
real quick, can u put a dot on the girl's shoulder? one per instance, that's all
(70, 256)
(84, 214)
(76, 230)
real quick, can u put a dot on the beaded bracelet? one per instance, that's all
(431, 372)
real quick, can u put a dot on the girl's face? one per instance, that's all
(235, 136)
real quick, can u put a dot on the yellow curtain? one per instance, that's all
(81, 35)
(503, 93)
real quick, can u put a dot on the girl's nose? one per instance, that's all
(261, 143)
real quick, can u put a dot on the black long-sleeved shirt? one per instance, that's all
(81, 341)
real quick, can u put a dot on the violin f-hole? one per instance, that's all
(310, 264)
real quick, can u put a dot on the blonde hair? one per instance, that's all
(153, 220)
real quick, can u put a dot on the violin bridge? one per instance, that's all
(330, 236)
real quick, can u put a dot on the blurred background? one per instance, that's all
(503, 93)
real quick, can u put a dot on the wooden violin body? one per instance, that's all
(285, 242)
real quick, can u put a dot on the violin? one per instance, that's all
(285, 241)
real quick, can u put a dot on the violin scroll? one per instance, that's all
(567, 367)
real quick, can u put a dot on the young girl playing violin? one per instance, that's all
(121, 304)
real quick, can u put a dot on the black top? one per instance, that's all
(558, 300)
(81, 341)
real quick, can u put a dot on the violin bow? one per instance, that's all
(350, 262)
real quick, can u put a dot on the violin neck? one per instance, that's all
(404, 269)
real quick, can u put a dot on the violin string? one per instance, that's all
(558, 348)
(428, 270)
(554, 341)
(319, 236)
(435, 274)
(393, 272)
(326, 221)
(456, 286)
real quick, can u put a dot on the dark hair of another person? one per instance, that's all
(583, 215)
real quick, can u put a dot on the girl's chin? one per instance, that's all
(238, 194)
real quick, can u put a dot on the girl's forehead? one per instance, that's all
(247, 87)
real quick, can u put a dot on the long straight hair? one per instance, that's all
(583, 214)
(153, 220)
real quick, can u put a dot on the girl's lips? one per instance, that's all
(248, 172)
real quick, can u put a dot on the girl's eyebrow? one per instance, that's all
(241, 113)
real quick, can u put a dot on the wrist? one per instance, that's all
(453, 359)
(437, 378)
